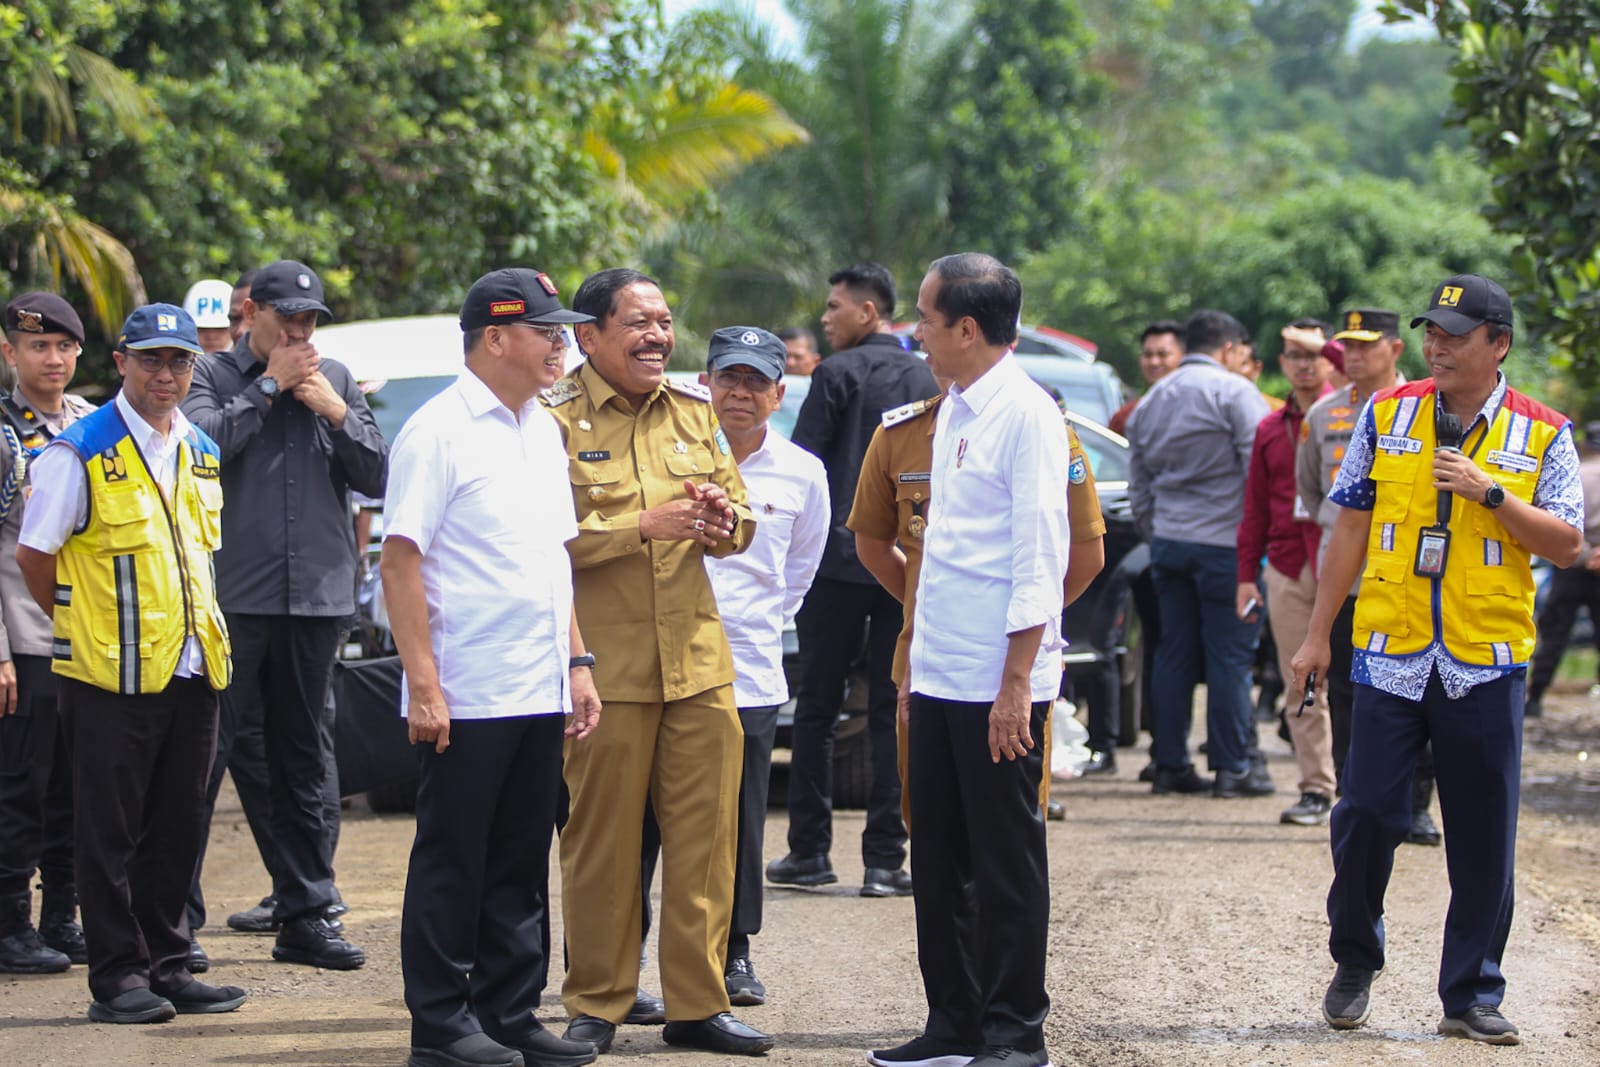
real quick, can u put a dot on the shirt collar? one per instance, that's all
(1496, 396)
(147, 435)
(977, 395)
(244, 361)
(601, 391)
(480, 399)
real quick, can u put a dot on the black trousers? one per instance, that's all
(139, 770)
(982, 877)
(1570, 589)
(760, 730)
(35, 787)
(1101, 687)
(282, 668)
(829, 628)
(242, 753)
(477, 890)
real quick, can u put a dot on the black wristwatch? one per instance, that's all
(1494, 496)
(268, 386)
(585, 660)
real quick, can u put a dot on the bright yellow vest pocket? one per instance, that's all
(126, 518)
(1381, 606)
(208, 517)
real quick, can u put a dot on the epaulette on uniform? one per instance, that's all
(564, 390)
(694, 389)
(895, 416)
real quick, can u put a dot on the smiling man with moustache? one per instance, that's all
(656, 490)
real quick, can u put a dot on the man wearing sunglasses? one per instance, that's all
(116, 547)
(295, 437)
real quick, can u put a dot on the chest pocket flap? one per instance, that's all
(688, 464)
(126, 514)
(594, 472)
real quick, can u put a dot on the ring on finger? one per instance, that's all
(699, 525)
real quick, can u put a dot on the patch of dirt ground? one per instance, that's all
(1183, 931)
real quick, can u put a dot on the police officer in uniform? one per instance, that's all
(656, 489)
(889, 517)
(116, 546)
(43, 337)
(1448, 487)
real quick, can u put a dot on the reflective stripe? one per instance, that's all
(61, 648)
(1376, 642)
(1517, 434)
(1502, 654)
(1388, 537)
(1405, 414)
(128, 620)
(1492, 554)
(64, 596)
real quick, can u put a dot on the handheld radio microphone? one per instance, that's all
(1448, 429)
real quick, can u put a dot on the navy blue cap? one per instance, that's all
(159, 326)
(747, 346)
(1464, 302)
(515, 294)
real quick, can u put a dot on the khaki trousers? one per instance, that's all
(687, 755)
(1289, 602)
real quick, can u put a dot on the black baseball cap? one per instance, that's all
(515, 294)
(747, 346)
(1368, 324)
(1463, 302)
(290, 287)
(43, 313)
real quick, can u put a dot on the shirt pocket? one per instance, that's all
(1394, 476)
(911, 501)
(595, 483)
(1382, 604)
(127, 519)
(208, 515)
(694, 462)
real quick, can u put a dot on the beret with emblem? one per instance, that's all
(43, 313)
(290, 287)
(515, 294)
(747, 346)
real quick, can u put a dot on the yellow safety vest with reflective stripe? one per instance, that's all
(1482, 607)
(136, 581)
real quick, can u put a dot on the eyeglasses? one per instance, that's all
(753, 381)
(151, 363)
(554, 334)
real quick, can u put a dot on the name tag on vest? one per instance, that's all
(591, 457)
(922, 476)
(1513, 461)
(1391, 443)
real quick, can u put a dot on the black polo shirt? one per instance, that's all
(850, 391)
(288, 547)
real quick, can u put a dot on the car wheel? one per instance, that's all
(852, 764)
(396, 798)
(1130, 680)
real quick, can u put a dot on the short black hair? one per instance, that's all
(597, 295)
(1208, 331)
(1498, 330)
(794, 333)
(972, 284)
(868, 281)
(245, 279)
(1160, 326)
(470, 339)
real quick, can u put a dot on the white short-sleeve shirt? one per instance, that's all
(483, 493)
(760, 589)
(995, 549)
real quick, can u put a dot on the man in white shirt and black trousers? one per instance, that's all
(758, 591)
(479, 586)
(985, 667)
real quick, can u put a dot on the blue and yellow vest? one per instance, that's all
(136, 580)
(1482, 607)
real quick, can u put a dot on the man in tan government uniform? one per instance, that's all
(890, 512)
(656, 489)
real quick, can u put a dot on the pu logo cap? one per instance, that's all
(1464, 302)
(159, 326)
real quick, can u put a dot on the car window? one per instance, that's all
(392, 401)
(1108, 458)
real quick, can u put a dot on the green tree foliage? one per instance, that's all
(1013, 133)
(1527, 92)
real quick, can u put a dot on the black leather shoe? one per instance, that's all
(338, 908)
(801, 870)
(474, 1050)
(197, 998)
(1098, 763)
(256, 920)
(1251, 782)
(648, 1010)
(596, 1032)
(134, 1006)
(745, 990)
(720, 1033)
(541, 1048)
(1424, 831)
(1187, 780)
(62, 933)
(882, 882)
(316, 943)
(198, 962)
(1147, 773)
(21, 952)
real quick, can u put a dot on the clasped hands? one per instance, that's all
(706, 517)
